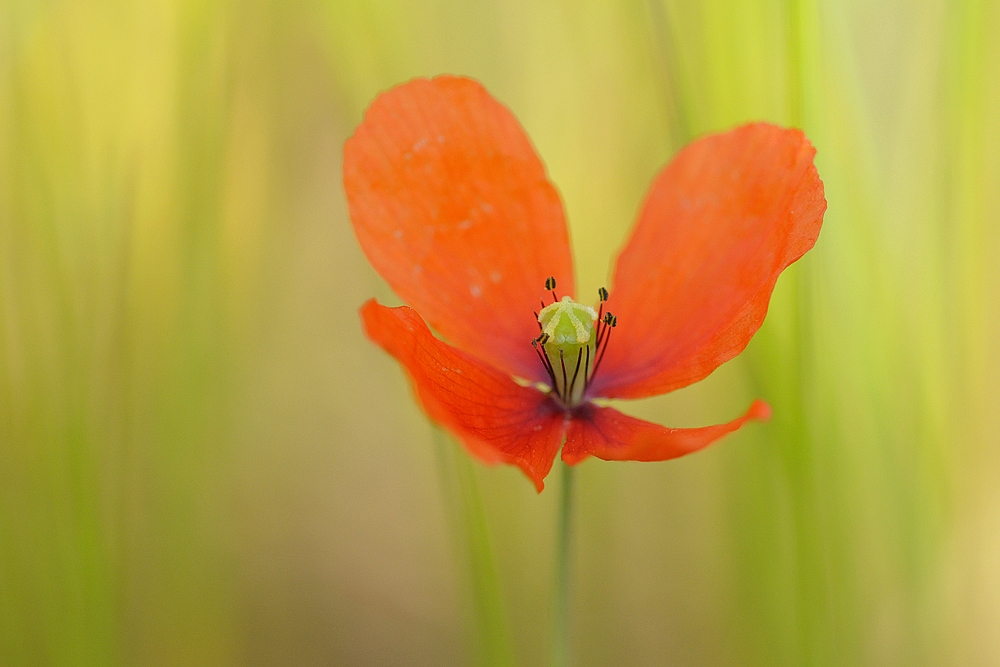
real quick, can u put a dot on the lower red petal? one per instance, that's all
(612, 436)
(498, 420)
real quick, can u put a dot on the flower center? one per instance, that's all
(571, 343)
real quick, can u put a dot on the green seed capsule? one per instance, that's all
(568, 342)
(567, 322)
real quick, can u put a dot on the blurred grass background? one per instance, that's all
(202, 461)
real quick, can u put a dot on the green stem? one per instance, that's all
(560, 638)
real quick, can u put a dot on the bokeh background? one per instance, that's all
(203, 462)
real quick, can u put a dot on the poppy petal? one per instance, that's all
(613, 436)
(692, 285)
(498, 420)
(453, 208)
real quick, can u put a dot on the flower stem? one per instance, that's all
(560, 634)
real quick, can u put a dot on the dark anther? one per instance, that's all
(550, 285)
(610, 320)
(602, 294)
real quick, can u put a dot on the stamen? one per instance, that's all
(572, 327)
(539, 345)
(607, 321)
(562, 362)
(610, 322)
(576, 371)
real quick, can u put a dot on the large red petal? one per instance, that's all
(612, 436)
(719, 225)
(453, 208)
(497, 419)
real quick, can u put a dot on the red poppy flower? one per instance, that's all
(453, 208)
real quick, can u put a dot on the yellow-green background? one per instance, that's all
(203, 462)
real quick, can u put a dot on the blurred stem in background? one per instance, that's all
(471, 538)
